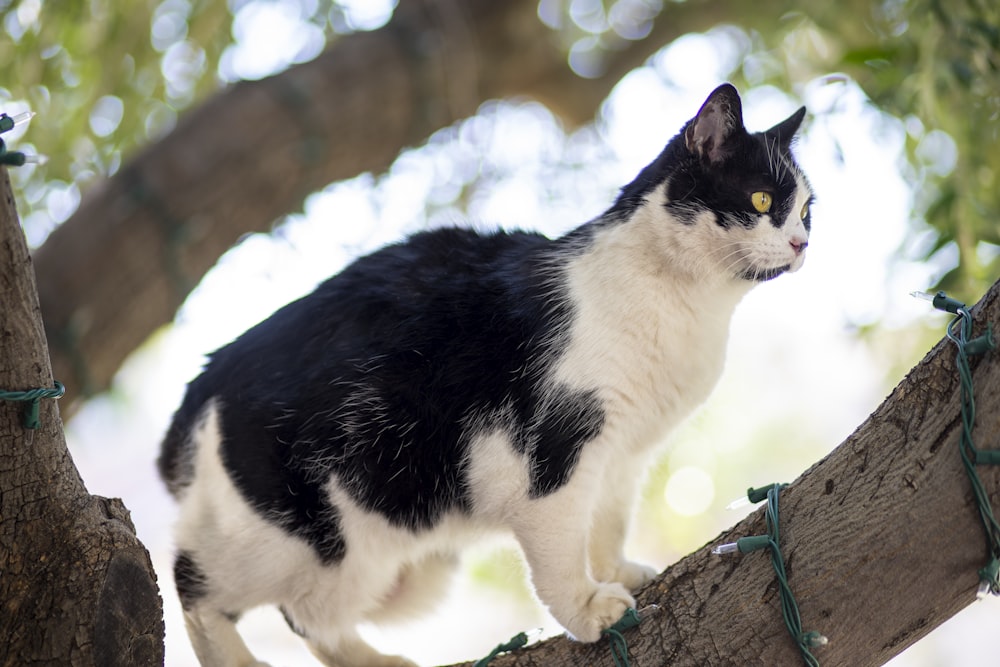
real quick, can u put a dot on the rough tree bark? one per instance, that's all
(881, 539)
(123, 263)
(76, 585)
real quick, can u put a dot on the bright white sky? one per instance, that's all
(789, 336)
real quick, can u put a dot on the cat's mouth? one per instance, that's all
(760, 275)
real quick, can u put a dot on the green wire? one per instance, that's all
(32, 397)
(789, 607)
(516, 642)
(772, 540)
(619, 647)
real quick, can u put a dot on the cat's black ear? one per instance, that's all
(718, 120)
(786, 129)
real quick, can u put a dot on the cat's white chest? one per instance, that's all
(652, 346)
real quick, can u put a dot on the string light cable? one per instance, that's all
(959, 332)
(805, 641)
(517, 641)
(618, 643)
(619, 646)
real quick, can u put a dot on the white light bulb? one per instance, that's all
(723, 549)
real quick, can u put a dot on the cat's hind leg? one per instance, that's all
(353, 651)
(418, 588)
(215, 639)
(338, 646)
(212, 631)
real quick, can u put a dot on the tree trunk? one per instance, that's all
(77, 587)
(881, 540)
(124, 262)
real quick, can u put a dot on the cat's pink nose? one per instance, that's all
(798, 245)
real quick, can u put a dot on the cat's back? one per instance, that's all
(422, 330)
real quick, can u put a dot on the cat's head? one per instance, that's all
(724, 201)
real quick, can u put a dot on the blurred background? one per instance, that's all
(900, 144)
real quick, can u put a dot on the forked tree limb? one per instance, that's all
(881, 540)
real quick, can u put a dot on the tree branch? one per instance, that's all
(76, 586)
(881, 541)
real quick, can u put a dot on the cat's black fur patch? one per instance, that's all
(189, 580)
(552, 435)
(380, 383)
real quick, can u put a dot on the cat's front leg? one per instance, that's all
(613, 566)
(612, 517)
(552, 532)
(633, 576)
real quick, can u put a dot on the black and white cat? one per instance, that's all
(335, 458)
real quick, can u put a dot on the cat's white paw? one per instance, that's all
(634, 576)
(604, 608)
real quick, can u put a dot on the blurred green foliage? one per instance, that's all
(104, 77)
(936, 66)
(108, 76)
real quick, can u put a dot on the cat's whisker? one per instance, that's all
(734, 257)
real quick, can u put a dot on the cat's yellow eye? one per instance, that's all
(761, 201)
(805, 211)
